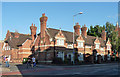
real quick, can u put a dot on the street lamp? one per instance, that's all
(73, 34)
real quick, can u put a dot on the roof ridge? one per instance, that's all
(58, 30)
(20, 33)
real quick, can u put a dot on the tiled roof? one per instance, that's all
(69, 37)
(15, 42)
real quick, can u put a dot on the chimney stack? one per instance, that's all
(103, 35)
(33, 31)
(77, 29)
(84, 32)
(43, 21)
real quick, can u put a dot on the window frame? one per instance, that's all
(80, 44)
(60, 42)
(97, 46)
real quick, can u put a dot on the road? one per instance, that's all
(93, 69)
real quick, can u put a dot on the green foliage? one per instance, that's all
(95, 31)
(110, 33)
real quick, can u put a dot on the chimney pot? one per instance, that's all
(43, 14)
(33, 31)
(83, 29)
(77, 23)
(77, 29)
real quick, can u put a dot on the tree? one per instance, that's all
(114, 40)
(95, 31)
(110, 33)
(109, 29)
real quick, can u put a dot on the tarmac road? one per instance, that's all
(94, 69)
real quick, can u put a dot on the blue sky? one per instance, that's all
(19, 16)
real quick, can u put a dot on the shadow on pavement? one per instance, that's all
(61, 76)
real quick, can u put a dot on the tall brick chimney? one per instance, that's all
(33, 31)
(77, 29)
(84, 32)
(103, 35)
(43, 21)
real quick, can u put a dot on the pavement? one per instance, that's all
(91, 69)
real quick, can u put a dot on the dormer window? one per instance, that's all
(70, 46)
(97, 46)
(80, 44)
(108, 47)
(60, 41)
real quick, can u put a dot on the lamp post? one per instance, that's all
(73, 35)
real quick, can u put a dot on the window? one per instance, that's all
(97, 46)
(5, 48)
(102, 49)
(60, 42)
(60, 55)
(70, 46)
(8, 47)
(80, 44)
(108, 47)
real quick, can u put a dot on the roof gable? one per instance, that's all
(15, 42)
(89, 40)
(108, 42)
(97, 41)
(80, 38)
(59, 35)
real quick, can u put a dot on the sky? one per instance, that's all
(20, 15)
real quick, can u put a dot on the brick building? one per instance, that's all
(54, 42)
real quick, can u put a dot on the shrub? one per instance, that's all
(25, 60)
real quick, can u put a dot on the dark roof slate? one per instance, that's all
(69, 37)
(15, 42)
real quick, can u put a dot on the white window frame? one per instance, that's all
(102, 49)
(70, 46)
(5, 47)
(80, 44)
(8, 47)
(60, 42)
(97, 46)
(108, 47)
